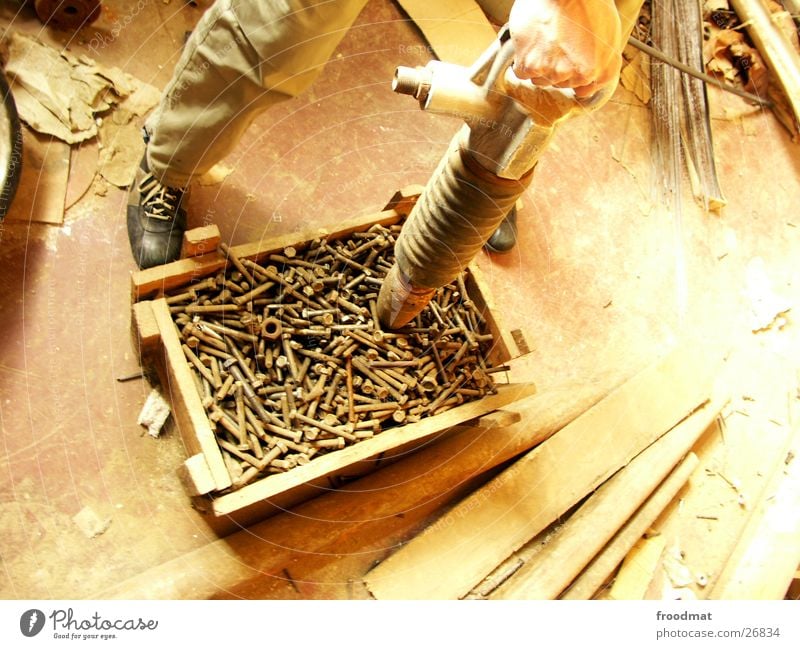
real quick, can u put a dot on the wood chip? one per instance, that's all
(61, 95)
(90, 523)
(154, 413)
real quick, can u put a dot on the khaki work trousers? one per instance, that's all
(243, 57)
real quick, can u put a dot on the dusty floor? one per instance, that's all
(602, 282)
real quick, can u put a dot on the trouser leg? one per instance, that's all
(243, 57)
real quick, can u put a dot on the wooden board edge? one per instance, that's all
(196, 476)
(328, 464)
(404, 199)
(638, 569)
(481, 294)
(200, 241)
(767, 553)
(193, 425)
(445, 25)
(604, 563)
(588, 529)
(258, 250)
(145, 336)
(153, 281)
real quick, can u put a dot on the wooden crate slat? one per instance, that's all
(194, 426)
(479, 293)
(145, 335)
(159, 279)
(151, 281)
(390, 439)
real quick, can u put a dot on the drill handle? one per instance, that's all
(486, 89)
(562, 102)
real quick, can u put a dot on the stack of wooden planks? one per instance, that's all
(622, 462)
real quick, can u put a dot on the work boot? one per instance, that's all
(504, 237)
(156, 220)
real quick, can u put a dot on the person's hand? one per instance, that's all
(567, 43)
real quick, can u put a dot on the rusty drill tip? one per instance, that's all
(399, 301)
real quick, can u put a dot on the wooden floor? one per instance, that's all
(602, 282)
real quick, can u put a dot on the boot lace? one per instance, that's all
(159, 201)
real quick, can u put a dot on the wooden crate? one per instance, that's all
(204, 473)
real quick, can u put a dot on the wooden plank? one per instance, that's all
(503, 345)
(404, 199)
(497, 10)
(454, 554)
(199, 241)
(585, 533)
(768, 552)
(457, 30)
(193, 425)
(697, 139)
(356, 524)
(196, 476)
(260, 249)
(665, 115)
(794, 588)
(42, 189)
(601, 567)
(263, 509)
(152, 281)
(638, 568)
(334, 462)
(144, 331)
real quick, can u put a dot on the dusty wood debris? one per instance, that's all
(75, 99)
(731, 54)
(728, 52)
(290, 361)
(62, 95)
